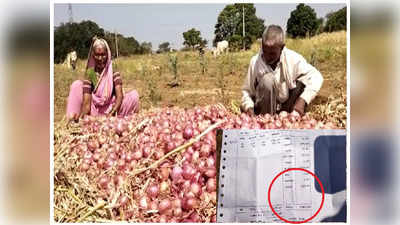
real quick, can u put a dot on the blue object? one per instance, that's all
(330, 163)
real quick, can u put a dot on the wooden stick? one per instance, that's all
(97, 207)
(176, 150)
(141, 124)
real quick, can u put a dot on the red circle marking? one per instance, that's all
(289, 221)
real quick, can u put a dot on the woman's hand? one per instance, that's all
(118, 100)
(86, 105)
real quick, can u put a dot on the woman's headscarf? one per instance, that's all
(102, 94)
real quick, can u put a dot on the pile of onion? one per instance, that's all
(182, 188)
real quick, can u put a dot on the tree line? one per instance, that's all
(78, 37)
(303, 22)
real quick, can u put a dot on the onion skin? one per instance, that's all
(123, 201)
(144, 202)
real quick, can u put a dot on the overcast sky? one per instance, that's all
(166, 22)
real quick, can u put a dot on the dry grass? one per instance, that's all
(150, 76)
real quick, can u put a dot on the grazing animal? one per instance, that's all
(222, 47)
(70, 60)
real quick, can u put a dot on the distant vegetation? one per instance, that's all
(229, 26)
(78, 37)
(302, 23)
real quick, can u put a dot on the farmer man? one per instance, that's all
(278, 78)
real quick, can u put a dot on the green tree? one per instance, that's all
(229, 25)
(74, 36)
(336, 20)
(320, 26)
(126, 45)
(193, 39)
(145, 47)
(303, 22)
(78, 37)
(164, 47)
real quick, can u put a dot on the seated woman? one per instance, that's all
(104, 97)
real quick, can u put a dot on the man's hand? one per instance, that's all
(299, 106)
(112, 112)
(250, 112)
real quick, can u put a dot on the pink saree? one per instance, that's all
(102, 96)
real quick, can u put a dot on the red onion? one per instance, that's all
(195, 157)
(195, 188)
(137, 155)
(109, 163)
(118, 180)
(188, 172)
(188, 133)
(176, 203)
(190, 203)
(158, 155)
(153, 190)
(153, 205)
(93, 145)
(146, 151)
(214, 219)
(119, 128)
(96, 156)
(87, 155)
(112, 156)
(164, 205)
(176, 173)
(84, 167)
(195, 217)
(170, 146)
(177, 212)
(210, 162)
(202, 165)
(196, 145)
(163, 219)
(205, 150)
(211, 185)
(129, 157)
(211, 172)
(104, 181)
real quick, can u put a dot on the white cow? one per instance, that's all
(70, 60)
(222, 47)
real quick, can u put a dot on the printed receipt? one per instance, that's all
(251, 159)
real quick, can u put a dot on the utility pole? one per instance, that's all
(116, 43)
(244, 32)
(71, 17)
